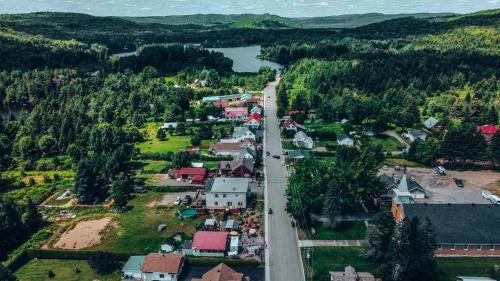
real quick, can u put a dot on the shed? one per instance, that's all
(132, 268)
(168, 245)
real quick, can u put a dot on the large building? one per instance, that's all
(227, 193)
(461, 229)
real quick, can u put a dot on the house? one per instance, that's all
(253, 121)
(256, 109)
(162, 267)
(461, 229)
(194, 174)
(210, 224)
(242, 133)
(488, 131)
(345, 140)
(236, 114)
(240, 168)
(227, 149)
(231, 225)
(301, 140)
(431, 122)
(168, 245)
(297, 155)
(350, 274)
(245, 96)
(344, 121)
(247, 143)
(368, 131)
(226, 98)
(246, 153)
(222, 272)
(227, 193)
(132, 268)
(414, 134)
(168, 125)
(406, 184)
(209, 243)
(292, 125)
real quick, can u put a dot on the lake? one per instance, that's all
(245, 58)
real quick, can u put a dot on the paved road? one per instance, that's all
(331, 243)
(282, 255)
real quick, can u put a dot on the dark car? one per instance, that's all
(267, 153)
(270, 211)
(187, 199)
(459, 183)
(276, 156)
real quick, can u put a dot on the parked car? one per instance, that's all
(177, 200)
(187, 199)
(495, 199)
(397, 168)
(441, 170)
(385, 167)
(268, 153)
(162, 227)
(459, 183)
(276, 156)
(486, 194)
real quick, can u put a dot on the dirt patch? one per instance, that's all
(85, 234)
(494, 187)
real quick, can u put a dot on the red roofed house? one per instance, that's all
(488, 131)
(222, 272)
(158, 266)
(209, 243)
(253, 121)
(196, 175)
(292, 125)
(236, 114)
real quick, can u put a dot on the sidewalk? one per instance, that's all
(330, 243)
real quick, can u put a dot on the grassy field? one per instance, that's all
(335, 259)
(333, 126)
(449, 268)
(352, 230)
(136, 230)
(154, 166)
(37, 270)
(388, 143)
(403, 162)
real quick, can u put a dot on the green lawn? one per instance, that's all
(449, 268)
(388, 143)
(136, 230)
(403, 162)
(37, 270)
(154, 166)
(336, 259)
(349, 230)
(333, 126)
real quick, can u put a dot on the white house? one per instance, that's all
(241, 133)
(168, 125)
(154, 267)
(414, 134)
(253, 121)
(301, 140)
(132, 268)
(247, 153)
(292, 126)
(345, 140)
(231, 193)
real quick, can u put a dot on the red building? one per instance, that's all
(488, 131)
(241, 168)
(197, 175)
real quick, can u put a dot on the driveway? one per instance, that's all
(283, 262)
(169, 198)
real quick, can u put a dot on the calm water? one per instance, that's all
(245, 58)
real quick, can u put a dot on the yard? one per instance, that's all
(388, 143)
(37, 270)
(136, 230)
(326, 127)
(325, 260)
(348, 230)
(450, 268)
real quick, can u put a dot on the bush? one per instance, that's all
(103, 262)
(51, 274)
(156, 156)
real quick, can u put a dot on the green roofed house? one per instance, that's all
(233, 97)
(297, 155)
(245, 96)
(132, 268)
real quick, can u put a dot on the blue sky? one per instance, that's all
(291, 8)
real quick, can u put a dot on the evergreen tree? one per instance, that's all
(181, 159)
(161, 134)
(380, 236)
(121, 189)
(6, 274)
(32, 219)
(12, 229)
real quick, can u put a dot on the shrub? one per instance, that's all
(103, 262)
(51, 274)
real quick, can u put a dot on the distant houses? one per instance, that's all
(225, 98)
(253, 121)
(236, 114)
(302, 140)
(242, 133)
(227, 193)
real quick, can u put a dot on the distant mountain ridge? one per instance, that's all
(274, 21)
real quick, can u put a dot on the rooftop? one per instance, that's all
(210, 240)
(460, 223)
(240, 185)
(169, 263)
(221, 272)
(134, 263)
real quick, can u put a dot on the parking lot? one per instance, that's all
(169, 198)
(442, 189)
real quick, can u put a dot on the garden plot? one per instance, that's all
(85, 234)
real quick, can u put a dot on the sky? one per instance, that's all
(288, 8)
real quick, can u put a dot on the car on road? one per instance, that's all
(268, 153)
(441, 170)
(276, 156)
(486, 194)
(177, 200)
(270, 211)
(495, 199)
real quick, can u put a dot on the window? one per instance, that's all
(230, 203)
(492, 248)
(162, 275)
(453, 247)
(216, 203)
(440, 246)
(466, 247)
(236, 195)
(479, 247)
(240, 203)
(223, 195)
(216, 195)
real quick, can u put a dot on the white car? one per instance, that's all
(486, 194)
(495, 199)
(177, 200)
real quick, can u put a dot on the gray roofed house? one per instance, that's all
(241, 133)
(468, 224)
(133, 266)
(297, 154)
(229, 193)
(410, 185)
(345, 140)
(431, 122)
(414, 134)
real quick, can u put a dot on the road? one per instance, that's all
(283, 261)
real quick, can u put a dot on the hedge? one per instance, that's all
(174, 188)
(215, 158)
(69, 255)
